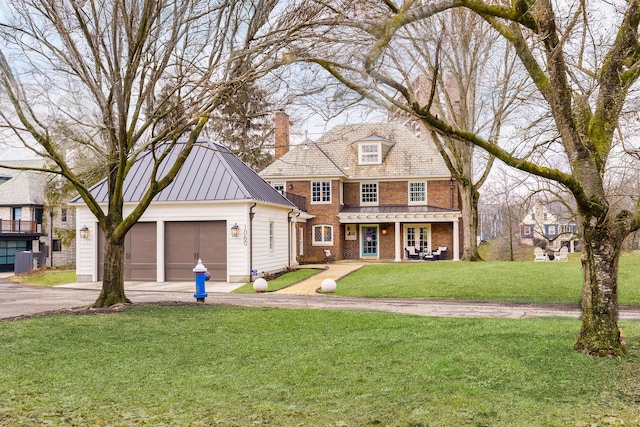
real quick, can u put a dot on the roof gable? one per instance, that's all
(210, 173)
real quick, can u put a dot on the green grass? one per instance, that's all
(546, 282)
(283, 281)
(207, 365)
(46, 278)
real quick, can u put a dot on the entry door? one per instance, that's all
(369, 241)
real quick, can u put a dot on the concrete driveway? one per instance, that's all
(18, 300)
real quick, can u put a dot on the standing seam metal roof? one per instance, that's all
(210, 173)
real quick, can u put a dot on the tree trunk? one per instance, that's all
(113, 280)
(599, 334)
(469, 207)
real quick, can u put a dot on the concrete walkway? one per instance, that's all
(309, 286)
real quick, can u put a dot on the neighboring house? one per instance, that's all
(367, 191)
(24, 223)
(21, 212)
(217, 209)
(552, 224)
(490, 222)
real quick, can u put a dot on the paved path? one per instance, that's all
(309, 286)
(19, 300)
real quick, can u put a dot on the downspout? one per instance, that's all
(289, 236)
(251, 215)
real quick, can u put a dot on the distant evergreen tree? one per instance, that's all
(243, 124)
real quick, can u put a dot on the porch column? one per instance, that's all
(398, 243)
(456, 241)
(293, 239)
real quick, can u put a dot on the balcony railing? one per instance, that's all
(299, 201)
(19, 226)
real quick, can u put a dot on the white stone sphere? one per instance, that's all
(328, 285)
(260, 285)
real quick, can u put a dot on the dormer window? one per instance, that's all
(372, 150)
(370, 154)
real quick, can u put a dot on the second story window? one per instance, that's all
(63, 214)
(279, 186)
(16, 214)
(321, 192)
(369, 193)
(370, 154)
(417, 192)
(39, 212)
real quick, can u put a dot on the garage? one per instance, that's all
(139, 252)
(186, 242)
(193, 218)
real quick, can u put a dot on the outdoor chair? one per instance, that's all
(539, 254)
(412, 252)
(563, 254)
(438, 254)
(328, 257)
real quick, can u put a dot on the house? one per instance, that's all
(490, 221)
(552, 224)
(367, 191)
(27, 223)
(21, 211)
(217, 209)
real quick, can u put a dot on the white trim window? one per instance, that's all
(417, 193)
(320, 191)
(370, 154)
(322, 235)
(369, 193)
(271, 235)
(279, 186)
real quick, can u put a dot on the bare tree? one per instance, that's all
(505, 195)
(466, 75)
(113, 79)
(584, 66)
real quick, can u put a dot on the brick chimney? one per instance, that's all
(282, 134)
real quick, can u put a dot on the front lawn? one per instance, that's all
(46, 277)
(232, 366)
(546, 282)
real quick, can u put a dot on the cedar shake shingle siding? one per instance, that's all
(335, 155)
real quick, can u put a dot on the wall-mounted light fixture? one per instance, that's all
(84, 232)
(290, 186)
(384, 230)
(235, 230)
